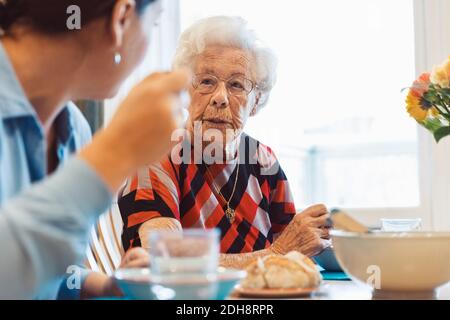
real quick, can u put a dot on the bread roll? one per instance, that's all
(294, 270)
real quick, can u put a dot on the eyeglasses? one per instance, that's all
(236, 85)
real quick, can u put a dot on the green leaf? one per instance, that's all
(446, 117)
(446, 92)
(432, 124)
(441, 133)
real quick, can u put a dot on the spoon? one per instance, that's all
(341, 220)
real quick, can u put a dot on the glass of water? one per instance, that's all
(184, 264)
(401, 225)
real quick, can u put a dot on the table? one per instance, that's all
(349, 290)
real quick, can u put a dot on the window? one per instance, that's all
(336, 116)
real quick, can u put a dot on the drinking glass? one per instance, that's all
(401, 225)
(184, 263)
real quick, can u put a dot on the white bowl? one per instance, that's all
(395, 261)
(139, 284)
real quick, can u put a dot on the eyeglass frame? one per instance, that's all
(254, 85)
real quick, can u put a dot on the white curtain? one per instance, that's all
(432, 47)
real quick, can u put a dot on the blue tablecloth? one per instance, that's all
(333, 275)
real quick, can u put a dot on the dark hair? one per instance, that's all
(50, 16)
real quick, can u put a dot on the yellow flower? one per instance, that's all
(446, 65)
(441, 74)
(414, 107)
(418, 108)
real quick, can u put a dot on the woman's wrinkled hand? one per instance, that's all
(136, 258)
(307, 232)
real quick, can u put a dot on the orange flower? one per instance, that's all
(420, 86)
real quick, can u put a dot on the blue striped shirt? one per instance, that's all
(44, 221)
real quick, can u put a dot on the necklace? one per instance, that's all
(230, 213)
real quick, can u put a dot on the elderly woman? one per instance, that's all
(231, 181)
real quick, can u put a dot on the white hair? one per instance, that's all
(229, 32)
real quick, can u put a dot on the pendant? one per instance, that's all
(230, 213)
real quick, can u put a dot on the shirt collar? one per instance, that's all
(64, 126)
(11, 91)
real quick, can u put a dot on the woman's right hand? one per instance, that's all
(305, 233)
(140, 132)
